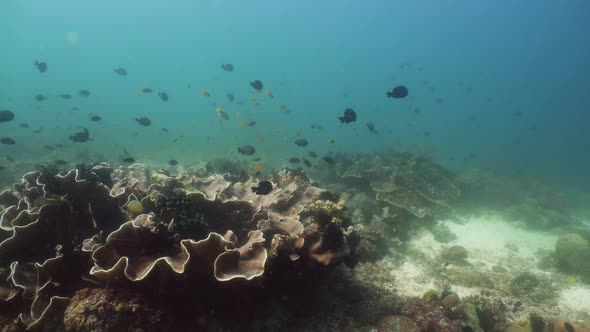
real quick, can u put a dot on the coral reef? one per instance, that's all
(573, 254)
(63, 232)
(455, 255)
(414, 184)
(491, 313)
(430, 317)
(93, 309)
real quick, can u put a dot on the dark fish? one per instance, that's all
(306, 162)
(349, 116)
(80, 137)
(417, 110)
(329, 160)
(163, 96)
(144, 121)
(230, 97)
(315, 126)
(146, 90)
(301, 142)
(427, 133)
(247, 150)
(121, 71)
(165, 130)
(257, 159)
(172, 162)
(568, 327)
(23, 125)
(2, 168)
(399, 91)
(294, 160)
(65, 96)
(517, 114)
(42, 66)
(227, 67)
(95, 118)
(9, 158)
(84, 93)
(75, 108)
(6, 116)
(312, 154)
(60, 162)
(128, 160)
(7, 140)
(264, 188)
(40, 97)
(371, 127)
(257, 85)
(38, 131)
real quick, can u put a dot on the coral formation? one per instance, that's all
(573, 254)
(406, 181)
(64, 231)
(92, 309)
(455, 255)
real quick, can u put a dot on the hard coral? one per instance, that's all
(430, 317)
(408, 182)
(54, 225)
(114, 310)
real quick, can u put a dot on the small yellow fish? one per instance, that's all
(331, 141)
(222, 114)
(258, 167)
(204, 93)
(282, 107)
(269, 93)
(145, 90)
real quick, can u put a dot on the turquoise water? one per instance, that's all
(485, 61)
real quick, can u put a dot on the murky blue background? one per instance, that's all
(482, 61)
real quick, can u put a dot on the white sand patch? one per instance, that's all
(576, 298)
(411, 280)
(485, 239)
(490, 234)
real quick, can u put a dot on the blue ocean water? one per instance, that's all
(499, 85)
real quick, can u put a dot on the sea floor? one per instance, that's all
(498, 252)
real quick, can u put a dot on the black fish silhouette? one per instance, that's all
(42, 66)
(399, 91)
(228, 67)
(263, 188)
(349, 116)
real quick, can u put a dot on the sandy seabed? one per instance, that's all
(490, 241)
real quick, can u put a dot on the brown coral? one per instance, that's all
(403, 180)
(55, 223)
